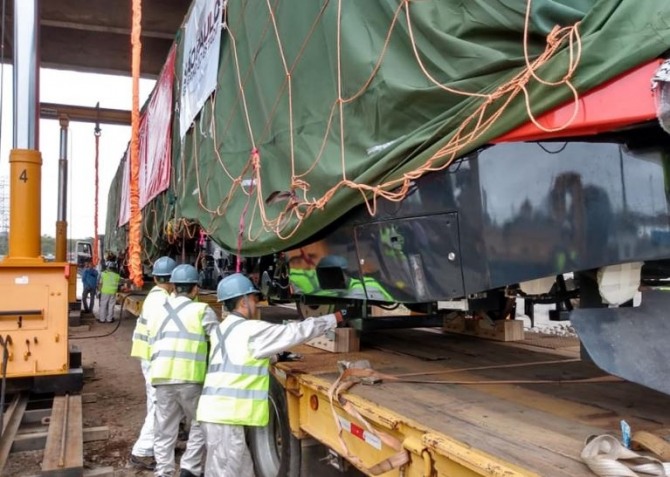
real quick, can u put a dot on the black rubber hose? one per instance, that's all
(123, 304)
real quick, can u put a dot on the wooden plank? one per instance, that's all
(101, 472)
(64, 444)
(29, 442)
(539, 427)
(99, 433)
(340, 340)
(501, 330)
(37, 440)
(97, 472)
(87, 398)
(10, 425)
(35, 416)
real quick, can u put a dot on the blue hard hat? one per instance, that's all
(184, 274)
(234, 286)
(163, 267)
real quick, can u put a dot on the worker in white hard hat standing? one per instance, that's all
(178, 340)
(142, 454)
(236, 388)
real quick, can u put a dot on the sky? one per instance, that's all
(81, 89)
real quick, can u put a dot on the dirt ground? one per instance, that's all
(118, 387)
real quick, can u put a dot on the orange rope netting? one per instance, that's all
(299, 205)
(135, 232)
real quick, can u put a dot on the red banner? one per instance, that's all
(155, 143)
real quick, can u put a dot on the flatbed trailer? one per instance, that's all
(533, 422)
(132, 302)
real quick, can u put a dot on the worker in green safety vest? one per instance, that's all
(368, 288)
(178, 345)
(303, 280)
(142, 454)
(109, 285)
(236, 387)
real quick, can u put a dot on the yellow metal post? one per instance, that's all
(61, 241)
(25, 206)
(61, 223)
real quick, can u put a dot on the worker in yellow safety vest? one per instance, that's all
(178, 346)
(236, 387)
(303, 280)
(109, 285)
(142, 454)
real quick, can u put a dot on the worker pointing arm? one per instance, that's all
(235, 393)
(266, 339)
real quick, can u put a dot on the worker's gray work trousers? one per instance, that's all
(144, 447)
(106, 310)
(227, 451)
(172, 402)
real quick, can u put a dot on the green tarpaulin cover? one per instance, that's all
(395, 64)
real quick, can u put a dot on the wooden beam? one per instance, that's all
(35, 416)
(37, 440)
(29, 442)
(64, 448)
(11, 422)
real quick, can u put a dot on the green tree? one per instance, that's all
(3, 244)
(47, 245)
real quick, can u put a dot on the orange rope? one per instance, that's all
(135, 246)
(96, 246)
(300, 206)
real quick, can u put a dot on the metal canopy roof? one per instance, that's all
(94, 35)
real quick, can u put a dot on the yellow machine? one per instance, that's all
(34, 304)
(34, 293)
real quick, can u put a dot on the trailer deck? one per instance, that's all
(473, 429)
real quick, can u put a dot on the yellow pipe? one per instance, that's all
(25, 203)
(61, 241)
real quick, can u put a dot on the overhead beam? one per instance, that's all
(157, 15)
(105, 29)
(94, 36)
(85, 114)
(99, 52)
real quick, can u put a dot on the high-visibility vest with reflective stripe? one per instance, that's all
(152, 307)
(371, 288)
(304, 281)
(237, 385)
(178, 342)
(110, 282)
